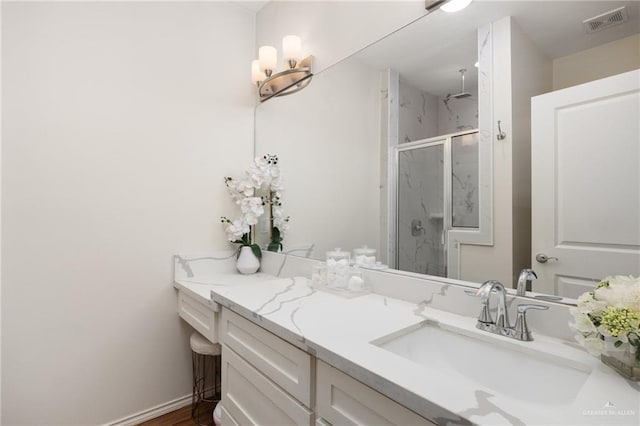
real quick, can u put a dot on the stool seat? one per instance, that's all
(201, 345)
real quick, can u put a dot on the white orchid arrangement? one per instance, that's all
(609, 316)
(264, 172)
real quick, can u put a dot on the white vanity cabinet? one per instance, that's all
(198, 315)
(265, 380)
(342, 400)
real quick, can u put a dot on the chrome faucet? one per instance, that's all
(484, 292)
(525, 276)
(501, 325)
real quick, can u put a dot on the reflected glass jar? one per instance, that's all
(338, 268)
(364, 256)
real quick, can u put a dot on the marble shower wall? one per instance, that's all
(421, 198)
(423, 115)
(418, 117)
(457, 115)
(464, 181)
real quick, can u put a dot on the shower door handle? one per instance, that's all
(416, 228)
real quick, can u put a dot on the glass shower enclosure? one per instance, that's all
(437, 190)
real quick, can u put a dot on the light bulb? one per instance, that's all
(256, 75)
(455, 5)
(268, 56)
(291, 49)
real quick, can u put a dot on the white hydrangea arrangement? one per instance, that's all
(608, 317)
(264, 172)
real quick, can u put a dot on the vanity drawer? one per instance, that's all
(198, 315)
(283, 363)
(226, 418)
(252, 399)
(342, 400)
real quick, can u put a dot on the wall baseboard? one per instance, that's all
(153, 412)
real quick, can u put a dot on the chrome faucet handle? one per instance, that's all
(525, 276)
(522, 329)
(484, 292)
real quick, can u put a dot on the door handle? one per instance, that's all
(543, 258)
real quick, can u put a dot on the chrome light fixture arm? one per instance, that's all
(286, 82)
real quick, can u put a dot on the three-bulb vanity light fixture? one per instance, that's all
(296, 76)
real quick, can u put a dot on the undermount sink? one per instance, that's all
(502, 367)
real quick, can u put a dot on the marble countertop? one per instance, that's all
(338, 330)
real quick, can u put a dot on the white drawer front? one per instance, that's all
(286, 365)
(252, 399)
(198, 316)
(343, 400)
(226, 418)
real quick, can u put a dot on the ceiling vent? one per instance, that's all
(606, 20)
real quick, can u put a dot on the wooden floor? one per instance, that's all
(181, 417)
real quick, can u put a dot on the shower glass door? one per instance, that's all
(420, 200)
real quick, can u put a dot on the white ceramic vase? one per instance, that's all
(247, 262)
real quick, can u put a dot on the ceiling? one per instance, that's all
(254, 6)
(429, 52)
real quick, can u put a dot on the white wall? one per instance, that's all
(119, 122)
(331, 189)
(520, 71)
(532, 75)
(599, 62)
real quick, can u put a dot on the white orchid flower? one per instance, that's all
(264, 173)
(277, 184)
(251, 218)
(236, 229)
(252, 205)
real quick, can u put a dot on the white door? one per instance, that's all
(585, 153)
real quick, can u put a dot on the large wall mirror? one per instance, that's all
(472, 145)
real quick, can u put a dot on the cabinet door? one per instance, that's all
(283, 363)
(198, 316)
(250, 398)
(342, 400)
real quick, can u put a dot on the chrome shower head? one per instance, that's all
(462, 93)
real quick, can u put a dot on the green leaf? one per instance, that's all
(617, 344)
(256, 250)
(273, 247)
(276, 240)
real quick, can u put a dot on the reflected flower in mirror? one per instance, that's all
(267, 166)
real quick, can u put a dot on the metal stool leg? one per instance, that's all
(206, 385)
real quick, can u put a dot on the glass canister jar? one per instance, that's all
(364, 256)
(338, 268)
